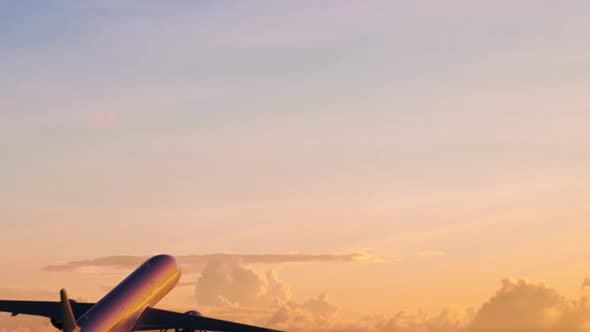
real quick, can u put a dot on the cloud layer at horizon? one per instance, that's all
(239, 292)
(518, 306)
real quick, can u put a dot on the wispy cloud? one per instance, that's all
(189, 262)
(433, 253)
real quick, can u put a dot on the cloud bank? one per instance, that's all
(518, 306)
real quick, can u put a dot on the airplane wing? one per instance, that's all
(42, 308)
(156, 319)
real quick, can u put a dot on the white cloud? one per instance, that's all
(230, 284)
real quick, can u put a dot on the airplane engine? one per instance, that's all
(57, 324)
(191, 313)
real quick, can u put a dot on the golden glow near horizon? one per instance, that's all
(312, 165)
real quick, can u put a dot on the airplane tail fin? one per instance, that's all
(69, 320)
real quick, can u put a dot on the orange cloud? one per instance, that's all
(316, 313)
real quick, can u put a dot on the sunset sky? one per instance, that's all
(352, 159)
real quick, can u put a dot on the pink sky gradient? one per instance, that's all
(446, 145)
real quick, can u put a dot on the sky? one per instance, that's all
(330, 166)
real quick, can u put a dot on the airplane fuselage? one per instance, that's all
(121, 308)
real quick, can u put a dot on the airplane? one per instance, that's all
(128, 307)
